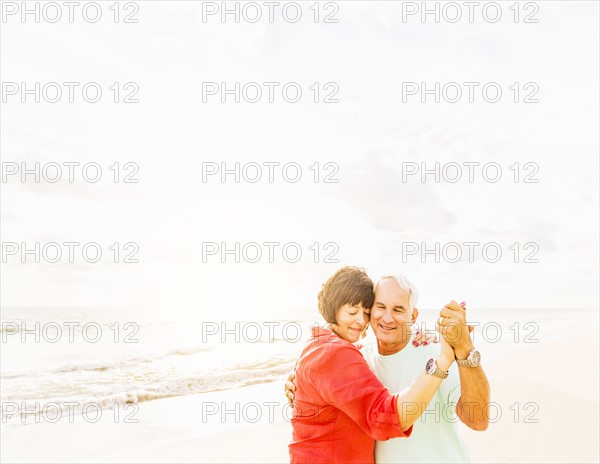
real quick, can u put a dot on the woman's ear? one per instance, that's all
(415, 315)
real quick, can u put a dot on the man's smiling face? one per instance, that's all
(391, 316)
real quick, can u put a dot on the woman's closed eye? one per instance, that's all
(367, 313)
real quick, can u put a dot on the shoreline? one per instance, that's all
(538, 382)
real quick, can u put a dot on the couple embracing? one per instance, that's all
(358, 404)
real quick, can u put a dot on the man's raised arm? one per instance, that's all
(473, 406)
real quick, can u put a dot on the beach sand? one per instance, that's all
(554, 382)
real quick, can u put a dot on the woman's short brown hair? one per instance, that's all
(349, 285)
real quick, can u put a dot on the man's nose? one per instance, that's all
(387, 317)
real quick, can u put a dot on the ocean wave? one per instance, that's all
(102, 366)
(14, 409)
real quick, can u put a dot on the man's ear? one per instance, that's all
(415, 315)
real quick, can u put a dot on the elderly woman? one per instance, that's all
(340, 407)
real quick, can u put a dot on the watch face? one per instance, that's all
(476, 357)
(429, 368)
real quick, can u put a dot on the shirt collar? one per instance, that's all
(320, 332)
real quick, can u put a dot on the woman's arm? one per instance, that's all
(413, 400)
(345, 381)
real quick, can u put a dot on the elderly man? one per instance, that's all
(464, 394)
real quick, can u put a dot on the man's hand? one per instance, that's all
(453, 327)
(290, 387)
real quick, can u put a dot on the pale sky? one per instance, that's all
(369, 134)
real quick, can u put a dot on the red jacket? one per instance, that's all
(340, 406)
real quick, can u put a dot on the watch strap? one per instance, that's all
(469, 362)
(464, 363)
(437, 372)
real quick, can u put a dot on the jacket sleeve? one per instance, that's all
(345, 381)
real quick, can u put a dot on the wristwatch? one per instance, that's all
(473, 360)
(432, 369)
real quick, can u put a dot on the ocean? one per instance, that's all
(72, 357)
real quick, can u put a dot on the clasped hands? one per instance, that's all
(452, 325)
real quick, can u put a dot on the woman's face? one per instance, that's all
(352, 321)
